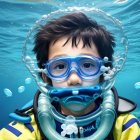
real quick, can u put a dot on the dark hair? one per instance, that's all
(74, 26)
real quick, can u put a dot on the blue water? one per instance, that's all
(18, 16)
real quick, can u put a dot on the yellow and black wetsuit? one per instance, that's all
(126, 128)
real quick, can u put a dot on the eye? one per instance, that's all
(88, 65)
(59, 67)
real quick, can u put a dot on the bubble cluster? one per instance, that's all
(20, 89)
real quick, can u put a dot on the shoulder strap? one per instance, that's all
(22, 115)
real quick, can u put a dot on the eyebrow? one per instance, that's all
(60, 55)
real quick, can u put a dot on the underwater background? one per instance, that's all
(17, 86)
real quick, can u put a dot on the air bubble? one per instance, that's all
(44, 16)
(28, 81)
(106, 59)
(21, 89)
(137, 85)
(8, 92)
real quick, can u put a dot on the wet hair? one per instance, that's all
(75, 26)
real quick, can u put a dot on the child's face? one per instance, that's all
(57, 49)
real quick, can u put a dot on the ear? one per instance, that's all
(125, 105)
(44, 77)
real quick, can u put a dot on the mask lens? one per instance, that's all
(58, 68)
(89, 66)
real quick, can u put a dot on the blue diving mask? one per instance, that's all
(87, 67)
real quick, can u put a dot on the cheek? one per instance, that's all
(91, 82)
(84, 83)
(59, 84)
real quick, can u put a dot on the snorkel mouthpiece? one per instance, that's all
(65, 92)
(75, 99)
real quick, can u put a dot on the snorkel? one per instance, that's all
(47, 114)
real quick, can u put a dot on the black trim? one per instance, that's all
(24, 112)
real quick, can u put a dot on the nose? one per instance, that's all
(74, 80)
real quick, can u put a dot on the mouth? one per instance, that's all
(77, 102)
(77, 98)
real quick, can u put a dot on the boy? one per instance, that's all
(72, 50)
